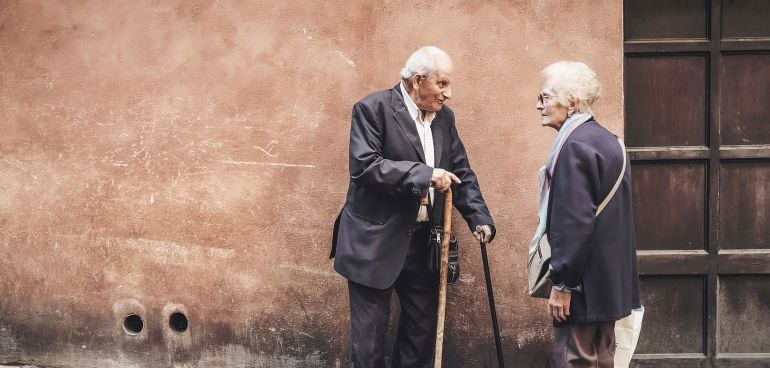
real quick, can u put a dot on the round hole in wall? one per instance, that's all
(133, 324)
(178, 322)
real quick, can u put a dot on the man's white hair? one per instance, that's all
(573, 81)
(424, 61)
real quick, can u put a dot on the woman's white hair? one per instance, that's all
(424, 61)
(573, 81)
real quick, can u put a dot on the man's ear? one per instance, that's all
(416, 80)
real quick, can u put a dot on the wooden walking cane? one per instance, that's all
(442, 279)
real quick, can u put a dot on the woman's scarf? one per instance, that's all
(546, 172)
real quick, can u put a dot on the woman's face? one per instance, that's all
(553, 113)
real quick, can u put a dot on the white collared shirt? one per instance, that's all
(426, 139)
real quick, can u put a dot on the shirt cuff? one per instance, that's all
(565, 288)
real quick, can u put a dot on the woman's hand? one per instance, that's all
(558, 304)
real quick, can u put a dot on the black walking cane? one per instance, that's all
(491, 297)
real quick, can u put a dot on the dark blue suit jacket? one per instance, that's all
(598, 253)
(388, 176)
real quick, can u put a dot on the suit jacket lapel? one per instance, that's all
(405, 121)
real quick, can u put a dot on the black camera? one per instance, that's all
(434, 257)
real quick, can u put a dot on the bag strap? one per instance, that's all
(617, 183)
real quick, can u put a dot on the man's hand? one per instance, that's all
(483, 232)
(442, 180)
(558, 304)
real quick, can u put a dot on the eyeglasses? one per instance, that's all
(544, 98)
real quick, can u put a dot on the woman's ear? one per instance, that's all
(572, 106)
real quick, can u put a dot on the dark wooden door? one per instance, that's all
(697, 108)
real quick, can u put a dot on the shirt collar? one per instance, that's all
(411, 107)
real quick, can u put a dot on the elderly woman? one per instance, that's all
(586, 213)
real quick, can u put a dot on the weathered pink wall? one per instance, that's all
(191, 156)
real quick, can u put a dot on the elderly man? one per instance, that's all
(404, 154)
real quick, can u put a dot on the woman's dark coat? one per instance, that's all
(598, 254)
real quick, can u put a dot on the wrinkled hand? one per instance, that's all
(558, 304)
(442, 180)
(483, 232)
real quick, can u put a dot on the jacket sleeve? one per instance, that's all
(369, 168)
(466, 196)
(572, 218)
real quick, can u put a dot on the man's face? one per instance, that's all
(433, 90)
(553, 113)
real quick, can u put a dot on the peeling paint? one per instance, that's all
(345, 58)
(266, 163)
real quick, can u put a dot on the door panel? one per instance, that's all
(673, 321)
(744, 324)
(745, 18)
(656, 112)
(665, 19)
(745, 206)
(745, 103)
(681, 226)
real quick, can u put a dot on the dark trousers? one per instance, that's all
(590, 345)
(417, 290)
